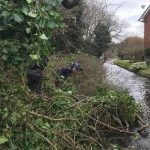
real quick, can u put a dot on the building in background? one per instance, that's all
(146, 19)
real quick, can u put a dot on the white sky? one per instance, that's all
(130, 11)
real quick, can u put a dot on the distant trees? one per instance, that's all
(101, 27)
(89, 27)
(132, 44)
(132, 48)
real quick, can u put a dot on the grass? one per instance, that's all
(123, 63)
(139, 68)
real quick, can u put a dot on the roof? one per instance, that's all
(147, 11)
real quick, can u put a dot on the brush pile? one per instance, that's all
(61, 119)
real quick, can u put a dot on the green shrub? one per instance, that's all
(58, 118)
(123, 63)
(26, 27)
(118, 104)
(138, 66)
(86, 81)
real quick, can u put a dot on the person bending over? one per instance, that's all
(64, 73)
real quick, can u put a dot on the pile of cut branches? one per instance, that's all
(58, 119)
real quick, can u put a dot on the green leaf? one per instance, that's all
(28, 30)
(60, 1)
(43, 37)
(62, 25)
(25, 10)
(4, 57)
(29, 1)
(51, 25)
(3, 139)
(5, 50)
(34, 57)
(31, 14)
(5, 14)
(18, 17)
(1, 28)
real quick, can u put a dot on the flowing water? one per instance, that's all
(138, 87)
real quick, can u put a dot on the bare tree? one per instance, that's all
(98, 12)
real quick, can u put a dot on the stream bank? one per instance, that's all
(139, 68)
(138, 87)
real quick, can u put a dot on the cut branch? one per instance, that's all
(112, 128)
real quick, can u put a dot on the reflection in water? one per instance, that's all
(137, 86)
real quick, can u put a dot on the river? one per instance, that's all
(138, 87)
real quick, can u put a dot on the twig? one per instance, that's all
(143, 128)
(118, 121)
(72, 144)
(45, 138)
(91, 138)
(23, 80)
(127, 125)
(95, 132)
(49, 118)
(77, 102)
(140, 119)
(112, 128)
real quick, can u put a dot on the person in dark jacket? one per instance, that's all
(35, 75)
(64, 73)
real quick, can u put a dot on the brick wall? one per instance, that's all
(147, 32)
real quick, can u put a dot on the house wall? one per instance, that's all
(147, 32)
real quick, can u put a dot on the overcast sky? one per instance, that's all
(130, 11)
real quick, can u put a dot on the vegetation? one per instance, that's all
(131, 48)
(139, 67)
(102, 39)
(123, 63)
(84, 113)
(26, 27)
(62, 118)
(70, 38)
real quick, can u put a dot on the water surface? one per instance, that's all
(138, 87)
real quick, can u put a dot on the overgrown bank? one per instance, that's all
(67, 118)
(139, 68)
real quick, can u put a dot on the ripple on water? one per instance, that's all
(137, 86)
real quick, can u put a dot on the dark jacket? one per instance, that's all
(65, 72)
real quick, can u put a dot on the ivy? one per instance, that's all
(27, 25)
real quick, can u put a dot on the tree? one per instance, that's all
(97, 13)
(131, 48)
(102, 39)
(70, 39)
